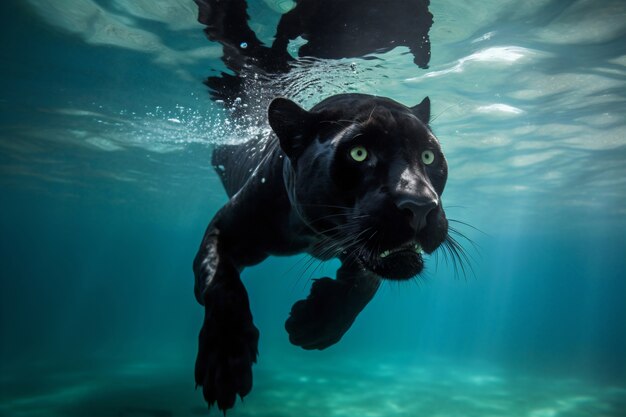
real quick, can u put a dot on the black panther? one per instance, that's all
(357, 177)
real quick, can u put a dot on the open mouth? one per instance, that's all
(402, 262)
(411, 247)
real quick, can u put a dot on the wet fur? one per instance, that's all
(305, 194)
(297, 190)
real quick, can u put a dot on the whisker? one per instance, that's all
(459, 254)
(468, 225)
(302, 262)
(350, 219)
(355, 247)
(352, 241)
(468, 259)
(332, 249)
(447, 250)
(462, 235)
(345, 228)
(334, 246)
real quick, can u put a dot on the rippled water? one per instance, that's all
(105, 138)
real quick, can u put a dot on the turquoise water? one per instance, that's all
(106, 133)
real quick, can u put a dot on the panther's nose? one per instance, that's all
(416, 209)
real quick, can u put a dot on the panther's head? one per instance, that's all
(366, 174)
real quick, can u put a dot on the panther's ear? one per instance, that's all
(422, 111)
(292, 124)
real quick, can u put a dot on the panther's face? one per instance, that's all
(366, 174)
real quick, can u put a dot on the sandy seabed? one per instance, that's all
(334, 389)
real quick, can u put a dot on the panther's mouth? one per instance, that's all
(399, 263)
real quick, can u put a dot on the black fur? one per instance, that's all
(302, 190)
(307, 194)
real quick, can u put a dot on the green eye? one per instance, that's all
(358, 153)
(428, 157)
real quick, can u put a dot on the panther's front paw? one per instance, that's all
(322, 319)
(226, 351)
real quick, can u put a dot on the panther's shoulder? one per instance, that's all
(235, 164)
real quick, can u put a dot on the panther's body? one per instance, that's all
(358, 178)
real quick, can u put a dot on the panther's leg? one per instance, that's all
(330, 309)
(228, 339)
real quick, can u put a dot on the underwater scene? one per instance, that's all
(110, 111)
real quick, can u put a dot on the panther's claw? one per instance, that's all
(226, 351)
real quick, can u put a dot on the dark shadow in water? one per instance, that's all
(332, 29)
